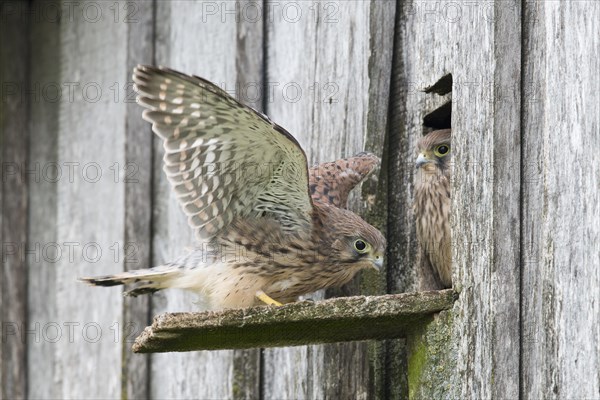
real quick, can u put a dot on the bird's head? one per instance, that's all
(435, 152)
(356, 243)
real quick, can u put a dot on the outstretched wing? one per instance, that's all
(332, 182)
(223, 159)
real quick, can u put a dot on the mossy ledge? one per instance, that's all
(333, 320)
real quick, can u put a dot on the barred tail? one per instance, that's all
(147, 280)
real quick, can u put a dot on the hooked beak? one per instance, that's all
(422, 160)
(377, 262)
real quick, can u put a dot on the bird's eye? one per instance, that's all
(361, 246)
(442, 150)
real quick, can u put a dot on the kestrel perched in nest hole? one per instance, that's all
(268, 228)
(432, 206)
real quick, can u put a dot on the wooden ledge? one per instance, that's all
(334, 320)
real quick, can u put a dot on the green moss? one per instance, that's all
(416, 362)
(236, 389)
(333, 320)
(432, 358)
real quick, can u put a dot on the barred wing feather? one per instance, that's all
(331, 182)
(223, 159)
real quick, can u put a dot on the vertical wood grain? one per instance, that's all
(439, 38)
(13, 200)
(205, 39)
(486, 198)
(43, 197)
(97, 119)
(250, 71)
(402, 130)
(504, 333)
(400, 231)
(422, 55)
(90, 203)
(137, 179)
(328, 71)
(561, 205)
(327, 81)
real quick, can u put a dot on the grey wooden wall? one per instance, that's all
(526, 248)
(83, 191)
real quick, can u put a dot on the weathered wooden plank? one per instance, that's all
(137, 172)
(13, 199)
(365, 376)
(561, 201)
(485, 186)
(402, 130)
(203, 38)
(400, 229)
(43, 188)
(432, 360)
(408, 107)
(326, 321)
(486, 183)
(329, 88)
(420, 29)
(504, 271)
(250, 68)
(90, 201)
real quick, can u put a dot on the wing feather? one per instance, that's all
(223, 159)
(331, 182)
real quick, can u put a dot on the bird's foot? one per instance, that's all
(262, 296)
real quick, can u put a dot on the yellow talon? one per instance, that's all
(262, 296)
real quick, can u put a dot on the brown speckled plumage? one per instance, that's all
(432, 205)
(264, 222)
(331, 182)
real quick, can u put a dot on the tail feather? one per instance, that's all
(149, 280)
(145, 289)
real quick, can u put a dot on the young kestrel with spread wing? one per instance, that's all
(269, 229)
(432, 205)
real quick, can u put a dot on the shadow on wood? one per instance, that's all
(334, 320)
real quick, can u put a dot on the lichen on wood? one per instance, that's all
(431, 360)
(334, 320)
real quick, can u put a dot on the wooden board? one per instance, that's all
(561, 201)
(526, 211)
(486, 183)
(90, 206)
(137, 172)
(43, 196)
(438, 39)
(203, 39)
(13, 199)
(86, 149)
(333, 320)
(323, 72)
